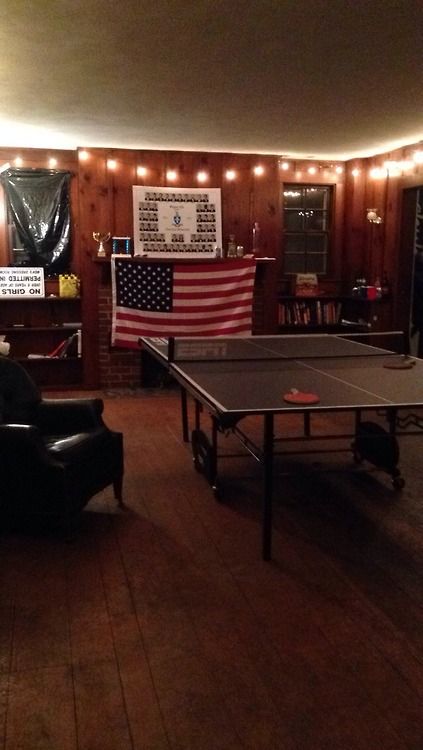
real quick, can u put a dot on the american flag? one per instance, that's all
(178, 299)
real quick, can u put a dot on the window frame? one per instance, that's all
(328, 232)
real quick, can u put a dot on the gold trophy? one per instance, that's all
(100, 238)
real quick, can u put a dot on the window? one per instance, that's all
(306, 221)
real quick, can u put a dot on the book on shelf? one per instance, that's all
(309, 312)
(306, 285)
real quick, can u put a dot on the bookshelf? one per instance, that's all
(330, 313)
(43, 337)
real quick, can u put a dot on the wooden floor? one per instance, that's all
(160, 627)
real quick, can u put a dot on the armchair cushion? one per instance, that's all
(67, 415)
(65, 453)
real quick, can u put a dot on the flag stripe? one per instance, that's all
(187, 304)
(132, 339)
(180, 299)
(134, 320)
(234, 295)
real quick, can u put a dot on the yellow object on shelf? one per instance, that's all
(69, 285)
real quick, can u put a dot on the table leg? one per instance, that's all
(198, 409)
(268, 451)
(184, 413)
(213, 456)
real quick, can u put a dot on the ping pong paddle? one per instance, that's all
(301, 397)
(400, 363)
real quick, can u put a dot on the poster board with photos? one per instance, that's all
(171, 223)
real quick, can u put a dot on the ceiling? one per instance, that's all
(330, 79)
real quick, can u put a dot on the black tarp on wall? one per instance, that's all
(38, 201)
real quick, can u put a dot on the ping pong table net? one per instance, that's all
(285, 347)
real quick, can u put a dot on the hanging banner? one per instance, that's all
(171, 223)
(21, 282)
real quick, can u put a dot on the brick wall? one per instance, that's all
(119, 368)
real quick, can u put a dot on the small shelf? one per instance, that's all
(54, 372)
(39, 329)
(50, 299)
(38, 326)
(308, 312)
(326, 312)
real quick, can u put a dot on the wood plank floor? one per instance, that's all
(160, 627)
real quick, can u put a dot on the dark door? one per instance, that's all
(407, 250)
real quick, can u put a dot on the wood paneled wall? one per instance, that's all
(374, 249)
(106, 206)
(102, 201)
(371, 250)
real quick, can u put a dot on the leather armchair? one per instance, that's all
(55, 454)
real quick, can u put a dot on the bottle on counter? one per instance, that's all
(231, 247)
(240, 251)
(256, 238)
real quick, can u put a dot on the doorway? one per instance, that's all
(409, 298)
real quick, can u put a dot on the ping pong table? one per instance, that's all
(232, 378)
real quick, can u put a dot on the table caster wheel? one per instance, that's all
(202, 454)
(398, 483)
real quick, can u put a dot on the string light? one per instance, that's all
(406, 164)
(395, 168)
(377, 173)
(390, 168)
(202, 176)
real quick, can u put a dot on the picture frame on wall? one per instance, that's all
(171, 223)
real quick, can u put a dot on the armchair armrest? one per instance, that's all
(22, 443)
(63, 416)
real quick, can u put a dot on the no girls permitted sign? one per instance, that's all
(21, 282)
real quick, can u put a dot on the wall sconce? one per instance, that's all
(373, 217)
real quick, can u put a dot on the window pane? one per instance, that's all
(295, 263)
(294, 221)
(316, 197)
(315, 220)
(295, 243)
(315, 263)
(293, 197)
(317, 243)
